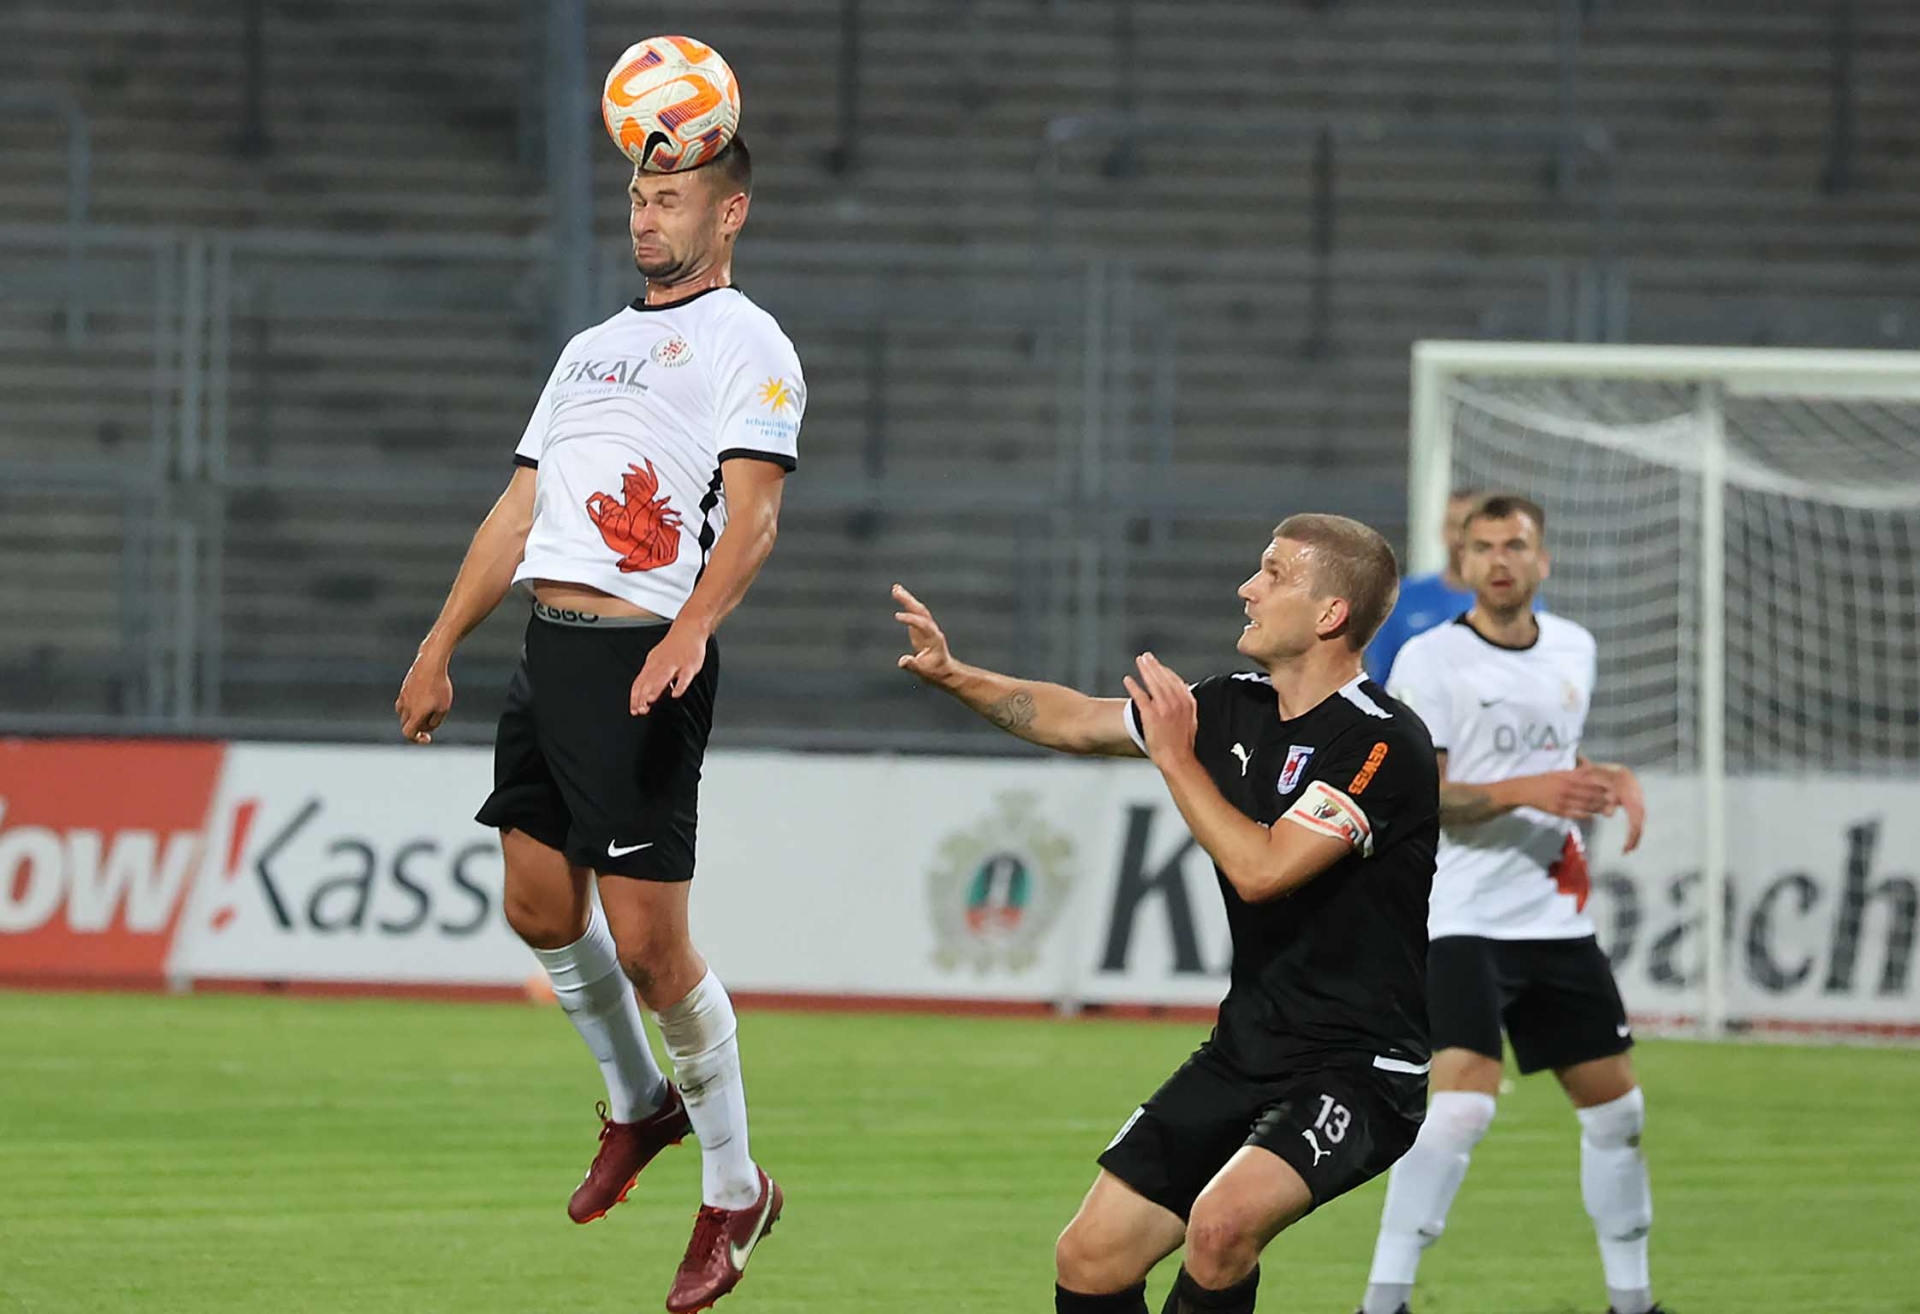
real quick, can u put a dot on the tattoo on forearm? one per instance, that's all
(1463, 805)
(1013, 713)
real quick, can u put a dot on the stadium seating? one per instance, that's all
(366, 429)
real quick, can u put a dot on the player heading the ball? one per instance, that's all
(646, 500)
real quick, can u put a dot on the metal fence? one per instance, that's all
(236, 503)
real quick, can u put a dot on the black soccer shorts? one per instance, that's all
(1338, 1127)
(1556, 1000)
(574, 770)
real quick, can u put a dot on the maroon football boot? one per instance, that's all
(626, 1148)
(723, 1239)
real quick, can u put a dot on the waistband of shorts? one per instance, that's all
(1325, 1060)
(591, 620)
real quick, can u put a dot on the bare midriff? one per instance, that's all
(579, 597)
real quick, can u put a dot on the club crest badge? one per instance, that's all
(996, 889)
(1298, 755)
(671, 351)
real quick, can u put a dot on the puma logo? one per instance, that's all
(1243, 755)
(1314, 1141)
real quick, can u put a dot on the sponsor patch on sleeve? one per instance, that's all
(779, 396)
(1364, 776)
(1326, 811)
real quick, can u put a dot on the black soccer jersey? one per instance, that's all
(1336, 971)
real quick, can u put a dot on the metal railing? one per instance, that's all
(233, 332)
(62, 105)
(220, 342)
(1843, 117)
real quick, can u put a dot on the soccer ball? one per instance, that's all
(670, 103)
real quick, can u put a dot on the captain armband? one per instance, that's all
(1326, 811)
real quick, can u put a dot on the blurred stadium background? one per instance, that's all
(282, 278)
(1089, 294)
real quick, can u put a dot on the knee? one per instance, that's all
(662, 967)
(1074, 1261)
(637, 966)
(1082, 1263)
(543, 923)
(1617, 1124)
(1458, 1119)
(1222, 1247)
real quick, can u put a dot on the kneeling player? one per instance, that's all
(1317, 797)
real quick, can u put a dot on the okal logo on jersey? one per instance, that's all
(670, 352)
(618, 371)
(644, 529)
(997, 888)
(1298, 755)
(1533, 737)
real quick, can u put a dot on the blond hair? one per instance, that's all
(1350, 561)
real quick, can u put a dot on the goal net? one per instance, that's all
(1740, 529)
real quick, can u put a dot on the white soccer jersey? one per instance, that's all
(1499, 713)
(629, 434)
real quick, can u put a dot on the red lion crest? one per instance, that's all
(1570, 875)
(644, 530)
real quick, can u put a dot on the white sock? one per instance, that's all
(700, 1031)
(1420, 1192)
(1619, 1198)
(599, 1000)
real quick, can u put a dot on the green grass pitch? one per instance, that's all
(227, 1154)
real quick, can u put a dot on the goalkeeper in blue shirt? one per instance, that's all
(1426, 600)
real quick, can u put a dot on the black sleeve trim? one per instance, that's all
(527, 461)
(781, 459)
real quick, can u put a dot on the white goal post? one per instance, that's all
(1740, 528)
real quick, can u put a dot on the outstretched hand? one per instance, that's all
(1168, 715)
(931, 658)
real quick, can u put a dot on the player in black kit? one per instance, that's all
(1318, 798)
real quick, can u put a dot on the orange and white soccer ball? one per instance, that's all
(671, 103)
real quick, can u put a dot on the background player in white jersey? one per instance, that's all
(673, 421)
(1505, 692)
(1429, 600)
(1317, 798)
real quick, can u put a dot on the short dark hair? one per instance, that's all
(1466, 493)
(1351, 561)
(733, 166)
(1501, 505)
